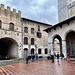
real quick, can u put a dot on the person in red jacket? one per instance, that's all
(68, 57)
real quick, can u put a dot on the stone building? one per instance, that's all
(65, 9)
(64, 31)
(35, 40)
(10, 33)
(17, 39)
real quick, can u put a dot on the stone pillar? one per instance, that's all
(64, 51)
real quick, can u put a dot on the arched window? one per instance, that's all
(0, 24)
(25, 40)
(32, 30)
(26, 29)
(11, 26)
(38, 28)
(32, 41)
(46, 51)
(32, 51)
(39, 51)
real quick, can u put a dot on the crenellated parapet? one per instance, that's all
(7, 16)
(8, 13)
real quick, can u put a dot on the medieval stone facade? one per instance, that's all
(10, 33)
(64, 31)
(16, 36)
(65, 9)
(62, 10)
(61, 31)
(37, 39)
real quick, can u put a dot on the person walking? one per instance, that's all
(68, 57)
(32, 56)
(58, 58)
(62, 56)
(27, 60)
(52, 57)
(36, 57)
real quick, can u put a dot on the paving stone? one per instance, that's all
(43, 67)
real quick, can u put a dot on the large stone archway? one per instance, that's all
(25, 52)
(8, 48)
(64, 30)
(57, 44)
(70, 43)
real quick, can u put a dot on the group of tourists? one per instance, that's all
(62, 56)
(31, 58)
(35, 57)
(52, 57)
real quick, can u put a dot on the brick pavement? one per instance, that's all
(43, 67)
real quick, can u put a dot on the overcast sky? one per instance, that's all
(39, 10)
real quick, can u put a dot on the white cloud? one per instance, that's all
(2, 1)
(39, 10)
(41, 1)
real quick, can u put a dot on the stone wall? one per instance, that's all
(66, 9)
(38, 42)
(71, 9)
(6, 17)
(62, 32)
(62, 10)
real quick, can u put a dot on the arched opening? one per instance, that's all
(32, 41)
(39, 51)
(38, 28)
(57, 45)
(70, 43)
(11, 26)
(32, 30)
(46, 51)
(25, 40)
(8, 48)
(26, 29)
(32, 51)
(25, 52)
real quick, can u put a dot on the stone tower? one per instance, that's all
(64, 9)
(10, 33)
(71, 9)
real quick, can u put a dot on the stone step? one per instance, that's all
(9, 62)
(15, 61)
(72, 58)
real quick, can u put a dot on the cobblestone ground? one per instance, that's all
(44, 67)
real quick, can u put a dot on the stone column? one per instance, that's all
(64, 51)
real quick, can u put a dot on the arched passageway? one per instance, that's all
(70, 43)
(57, 45)
(8, 48)
(25, 52)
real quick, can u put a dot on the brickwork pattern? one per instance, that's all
(44, 67)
